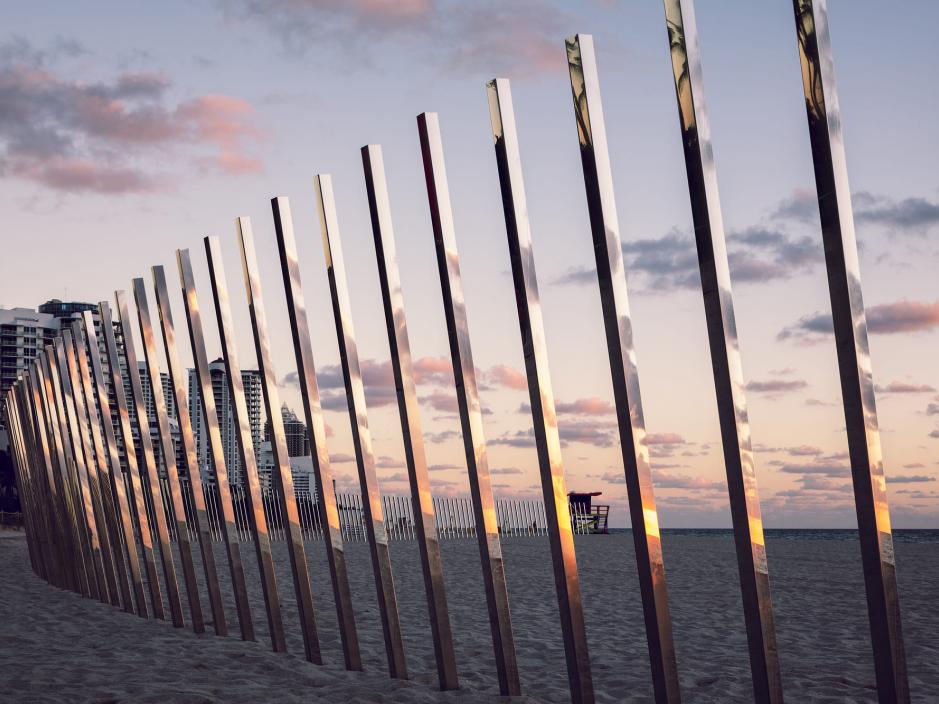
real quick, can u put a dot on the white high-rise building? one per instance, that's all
(251, 380)
(23, 334)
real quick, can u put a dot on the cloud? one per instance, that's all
(80, 136)
(801, 206)
(520, 438)
(756, 254)
(775, 387)
(506, 377)
(505, 470)
(442, 467)
(442, 401)
(485, 36)
(667, 480)
(585, 407)
(904, 387)
(902, 316)
(909, 479)
(827, 469)
(664, 439)
(911, 214)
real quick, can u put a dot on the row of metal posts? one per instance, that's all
(79, 516)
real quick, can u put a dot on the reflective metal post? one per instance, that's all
(365, 462)
(68, 539)
(82, 536)
(502, 117)
(614, 299)
(283, 478)
(33, 521)
(252, 494)
(322, 472)
(116, 474)
(854, 362)
(83, 491)
(75, 351)
(725, 350)
(136, 502)
(464, 375)
(149, 471)
(178, 385)
(229, 529)
(105, 478)
(168, 453)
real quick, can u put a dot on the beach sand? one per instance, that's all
(56, 646)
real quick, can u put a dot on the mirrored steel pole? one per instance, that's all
(464, 373)
(106, 499)
(116, 474)
(547, 440)
(725, 349)
(136, 501)
(178, 381)
(617, 323)
(322, 472)
(74, 349)
(255, 506)
(428, 549)
(88, 576)
(83, 492)
(282, 476)
(26, 468)
(148, 472)
(854, 361)
(168, 453)
(56, 564)
(70, 547)
(229, 528)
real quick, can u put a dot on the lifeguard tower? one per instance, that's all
(587, 517)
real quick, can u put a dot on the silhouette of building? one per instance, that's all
(298, 441)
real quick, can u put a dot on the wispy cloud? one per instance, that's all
(776, 387)
(104, 136)
(903, 316)
(484, 36)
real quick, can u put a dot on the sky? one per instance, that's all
(130, 129)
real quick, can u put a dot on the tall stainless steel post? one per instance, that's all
(725, 349)
(168, 454)
(617, 323)
(88, 574)
(322, 472)
(115, 475)
(222, 490)
(541, 395)
(257, 521)
(148, 472)
(26, 469)
(82, 454)
(464, 375)
(282, 476)
(178, 383)
(98, 467)
(365, 458)
(854, 361)
(70, 548)
(136, 502)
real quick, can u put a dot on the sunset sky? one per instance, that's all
(129, 129)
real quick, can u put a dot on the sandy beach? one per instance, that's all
(58, 647)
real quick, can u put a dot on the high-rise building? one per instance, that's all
(23, 334)
(298, 441)
(251, 380)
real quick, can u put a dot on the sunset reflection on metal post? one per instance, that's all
(137, 501)
(365, 456)
(252, 491)
(98, 470)
(316, 430)
(191, 461)
(541, 394)
(725, 350)
(221, 488)
(464, 375)
(611, 275)
(851, 342)
(282, 476)
(168, 454)
(116, 475)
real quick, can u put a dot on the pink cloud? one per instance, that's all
(585, 407)
(905, 387)
(508, 377)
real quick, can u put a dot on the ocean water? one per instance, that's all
(900, 535)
